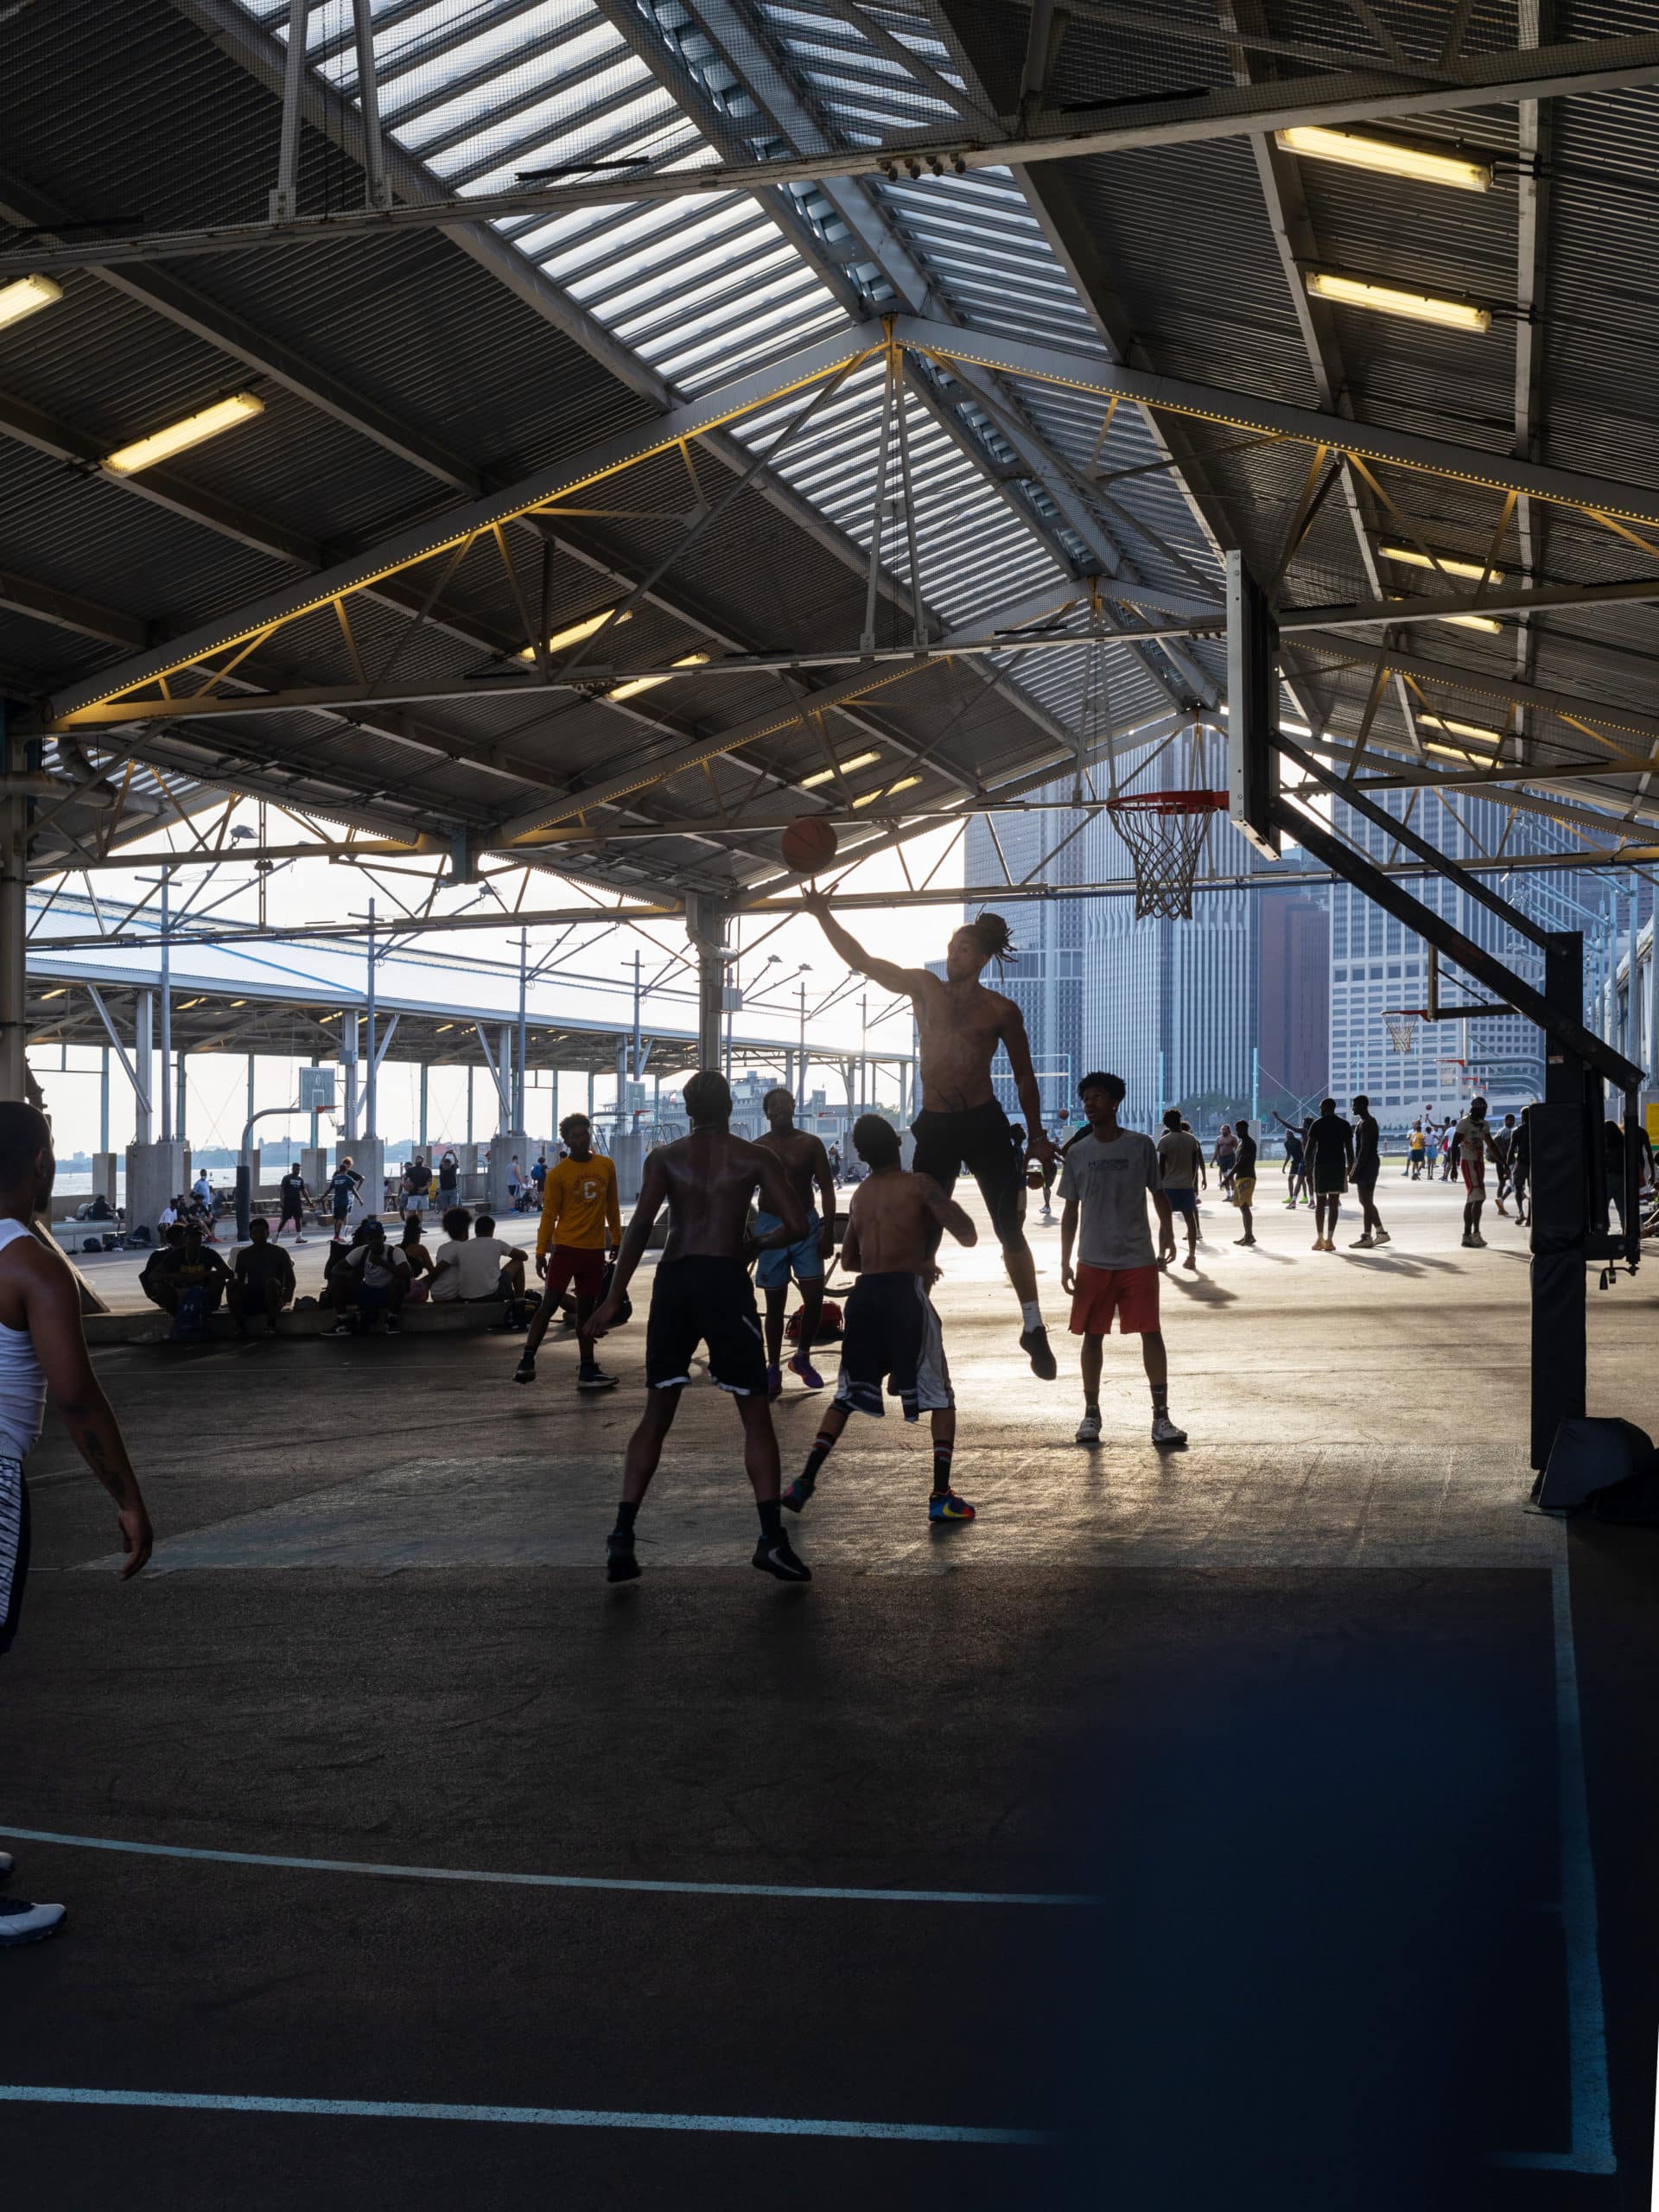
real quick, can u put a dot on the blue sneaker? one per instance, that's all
(948, 1507)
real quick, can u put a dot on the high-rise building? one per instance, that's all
(1378, 967)
(1294, 965)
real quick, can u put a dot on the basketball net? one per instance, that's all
(1402, 1030)
(1164, 832)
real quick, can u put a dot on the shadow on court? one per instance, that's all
(1318, 1807)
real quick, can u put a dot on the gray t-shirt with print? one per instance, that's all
(1111, 1184)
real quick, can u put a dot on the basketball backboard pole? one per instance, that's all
(1568, 1159)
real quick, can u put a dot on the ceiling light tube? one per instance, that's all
(887, 790)
(636, 684)
(145, 453)
(1387, 299)
(1443, 562)
(1390, 156)
(1455, 728)
(1457, 753)
(577, 633)
(27, 296)
(843, 768)
(1472, 622)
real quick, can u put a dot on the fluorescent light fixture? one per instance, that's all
(1388, 155)
(823, 775)
(441, 1026)
(27, 296)
(51, 995)
(887, 790)
(1456, 752)
(1385, 299)
(1482, 622)
(1443, 562)
(1452, 729)
(145, 453)
(638, 683)
(574, 635)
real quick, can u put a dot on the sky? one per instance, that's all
(770, 973)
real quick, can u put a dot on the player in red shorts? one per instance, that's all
(1106, 1178)
(581, 1229)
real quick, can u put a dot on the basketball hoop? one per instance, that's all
(1165, 833)
(1403, 1031)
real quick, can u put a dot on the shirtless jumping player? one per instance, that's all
(960, 1024)
(806, 1162)
(892, 1331)
(702, 1293)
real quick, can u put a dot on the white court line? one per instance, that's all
(553, 1881)
(1592, 2151)
(686, 2123)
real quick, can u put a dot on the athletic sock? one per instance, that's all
(1159, 1397)
(1031, 1314)
(624, 1517)
(772, 1518)
(823, 1446)
(942, 1457)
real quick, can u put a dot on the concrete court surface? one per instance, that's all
(1291, 1712)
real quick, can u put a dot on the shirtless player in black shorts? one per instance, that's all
(959, 1025)
(702, 1293)
(892, 1331)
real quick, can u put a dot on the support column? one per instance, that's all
(143, 1066)
(181, 1086)
(706, 925)
(422, 1136)
(103, 1103)
(348, 1073)
(156, 1173)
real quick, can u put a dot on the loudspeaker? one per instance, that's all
(1586, 1456)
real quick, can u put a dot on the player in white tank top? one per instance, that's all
(43, 1343)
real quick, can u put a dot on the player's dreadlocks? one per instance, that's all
(996, 937)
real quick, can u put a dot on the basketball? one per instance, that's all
(808, 845)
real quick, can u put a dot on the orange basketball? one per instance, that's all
(808, 845)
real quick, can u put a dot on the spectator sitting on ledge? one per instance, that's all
(372, 1275)
(183, 1273)
(262, 1280)
(483, 1269)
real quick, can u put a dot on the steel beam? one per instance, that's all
(441, 533)
(67, 611)
(1479, 81)
(1493, 472)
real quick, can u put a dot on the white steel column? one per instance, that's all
(368, 100)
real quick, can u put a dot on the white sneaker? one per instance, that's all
(1165, 1433)
(1360, 1244)
(1382, 1236)
(21, 1923)
(1089, 1429)
(1478, 1241)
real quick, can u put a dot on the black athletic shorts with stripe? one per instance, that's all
(891, 1334)
(705, 1301)
(981, 1140)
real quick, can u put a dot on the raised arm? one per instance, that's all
(1011, 1030)
(948, 1213)
(887, 973)
(52, 1307)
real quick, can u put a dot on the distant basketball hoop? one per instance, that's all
(1403, 1031)
(1165, 833)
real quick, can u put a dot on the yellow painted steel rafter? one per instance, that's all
(448, 533)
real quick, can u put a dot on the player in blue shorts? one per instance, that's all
(806, 1162)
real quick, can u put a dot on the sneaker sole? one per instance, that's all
(609, 1383)
(33, 1935)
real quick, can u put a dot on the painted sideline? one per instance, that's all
(691, 2123)
(553, 1881)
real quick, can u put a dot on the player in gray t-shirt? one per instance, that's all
(1107, 1176)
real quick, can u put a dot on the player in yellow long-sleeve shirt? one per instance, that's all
(581, 1229)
